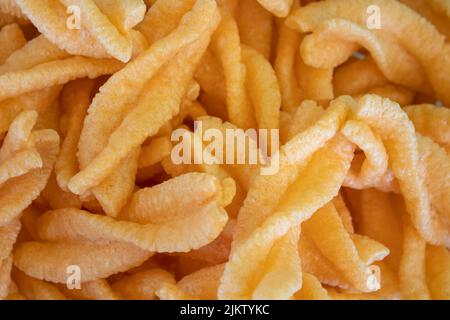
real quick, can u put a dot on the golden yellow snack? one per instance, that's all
(311, 289)
(5, 275)
(91, 290)
(53, 73)
(124, 125)
(11, 39)
(32, 183)
(75, 99)
(226, 45)
(262, 88)
(357, 77)
(113, 124)
(49, 260)
(255, 26)
(142, 285)
(123, 14)
(431, 121)
(438, 276)
(34, 289)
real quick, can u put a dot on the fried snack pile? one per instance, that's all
(93, 205)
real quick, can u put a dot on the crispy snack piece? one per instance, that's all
(311, 289)
(167, 201)
(12, 202)
(168, 236)
(123, 14)
(412, 273)
(75, 98)
(279, 8)
(97, 260)
(53, 73)
(36, 51)
(227, 47)
(357, 77)
(395, 62)
(253, 232)
(288, 42)
(255, 26)
(5, 275)
(401, 145)
(91, 290)
(34, 289)
(142, 285)
(438, 274)
(99, 26)
(49, 16)
(263, 90)
(11, 39)
(431, 121)
(202, 284)
(327, 231)
(106, 118)
(163, 17)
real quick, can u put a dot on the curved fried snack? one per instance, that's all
(75, 98)
(279, 8)
(34, 289)
(440, 6)
(32, 183)
(11, 39)
(167, 201)
(57, 198)
(36, 51)
(377, 211)
(401, 145)
(426, 10)
(163, 17)
(168, 236)
(262, 87)
(438, 272)
(255, 26)
(311, 289)
(357, 77)
(50, 18)
(437, 176)
(116, 125)
(395, 62)
(288, 42)
(314, 83)
(227, 47)
(53, 73)
(49, 260)
(431, 121)
(294, 206)
(412, 273)
(98, 26)
(123, 14)
(8, 236)
(142, 285)
(202, 284)
(375, 165)
(10, 7)
(5, 275)
(19, 164)
(401, 95)
(416, 34)
(91, 290)
(339, 247)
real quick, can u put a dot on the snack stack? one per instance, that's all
(122, 176)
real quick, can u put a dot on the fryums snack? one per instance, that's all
(224, 149)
